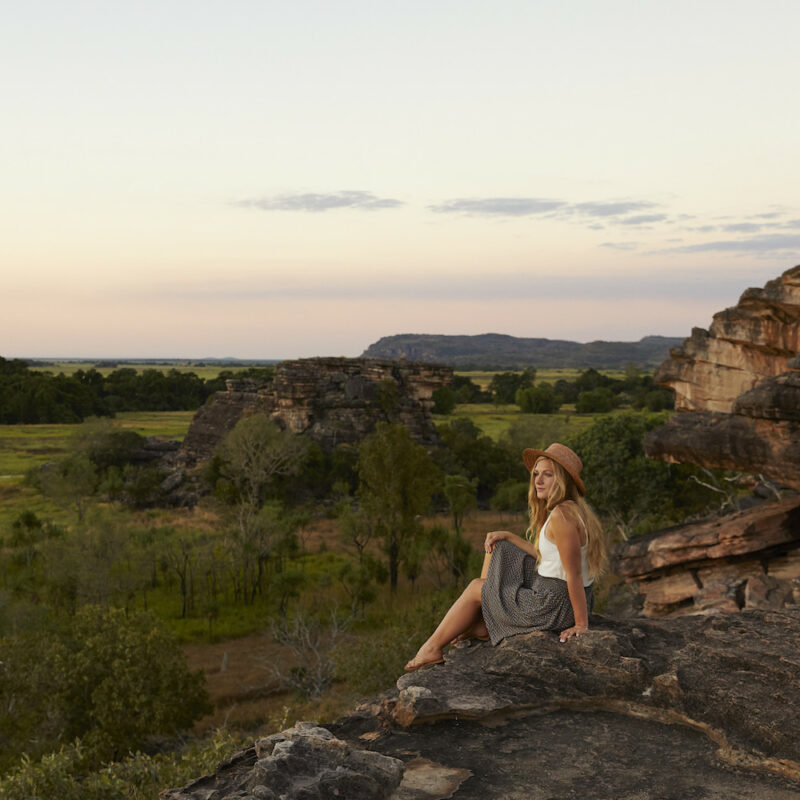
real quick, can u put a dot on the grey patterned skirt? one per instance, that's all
(516, 599)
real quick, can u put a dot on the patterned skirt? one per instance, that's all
(516, 599)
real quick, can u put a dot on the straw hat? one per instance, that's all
(562, 455)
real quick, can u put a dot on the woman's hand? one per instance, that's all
(493, 537)
(575, 630)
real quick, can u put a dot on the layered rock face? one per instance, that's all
(738, 385)
(332, 400)
(737, 393)
(750, 559)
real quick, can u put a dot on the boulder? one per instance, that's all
(734, 677)
(300, 763)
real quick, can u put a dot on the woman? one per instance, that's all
(540, 582)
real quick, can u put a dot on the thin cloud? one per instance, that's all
(743, 227)
(612, 208)
(317, 202)
(764, 244)
(497, 206)
(620, 245)
(642, 219)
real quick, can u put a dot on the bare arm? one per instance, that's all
(565, 534)
(495, 536)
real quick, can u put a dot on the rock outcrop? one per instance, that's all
(690, 707)
(301, 763)
(332, 400)
(750, 559)
(738, 386)
(737, 394)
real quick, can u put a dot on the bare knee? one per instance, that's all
(474, 588)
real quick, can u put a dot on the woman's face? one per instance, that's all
(543, 478)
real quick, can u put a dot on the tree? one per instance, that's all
(71, 482)
(255, 452)
(504, 385)
(396, 482)
(635, 491)
(540, 399)
(468, 452)
(460, 494)
(444, 400)
(250, 458)
(596, 401)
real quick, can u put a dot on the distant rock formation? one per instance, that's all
(738, 385)
(495, 350)
(700, 706)
(332, 400)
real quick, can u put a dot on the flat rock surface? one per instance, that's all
(582, 755)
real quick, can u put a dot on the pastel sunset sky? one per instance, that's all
(281, 179)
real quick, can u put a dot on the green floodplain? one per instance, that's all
(82, 558)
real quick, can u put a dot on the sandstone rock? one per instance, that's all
(737, 388)
(760, 528)
(706, 567)
(728, 441)
(736, 677)
(332, 400)
(300, 763)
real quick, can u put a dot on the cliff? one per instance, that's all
(737, 395)
(738, 388)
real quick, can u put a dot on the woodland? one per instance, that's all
(120, 616)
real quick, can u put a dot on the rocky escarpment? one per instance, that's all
(332, 400)
(690, 707)
(737, 394)
(738, 388)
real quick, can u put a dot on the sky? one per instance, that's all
(265, 179)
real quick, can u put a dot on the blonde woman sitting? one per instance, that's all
(541, 582)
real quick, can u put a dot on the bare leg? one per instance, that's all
(461, 617)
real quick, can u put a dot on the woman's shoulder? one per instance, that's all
(566, 509)
(566, 514)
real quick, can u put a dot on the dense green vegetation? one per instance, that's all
(35, 397)
(93, 572)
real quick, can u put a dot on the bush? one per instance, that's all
(596, 401)
(63, 775)
(444, 400)
(109, 679)
(540, 399)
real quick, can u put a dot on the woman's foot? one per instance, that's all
(425, 656)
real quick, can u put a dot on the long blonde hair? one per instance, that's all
(564, 490)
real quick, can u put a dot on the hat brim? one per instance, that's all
(531, 456)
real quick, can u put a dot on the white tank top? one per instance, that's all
(550, 566)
